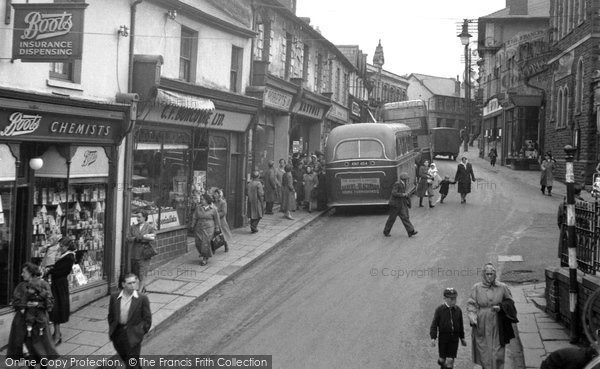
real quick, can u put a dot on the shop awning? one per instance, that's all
(166, 97)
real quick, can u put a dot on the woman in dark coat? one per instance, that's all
(464, 176)
(423, 187)
(60, 286)
(38, 343)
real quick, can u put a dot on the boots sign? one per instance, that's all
(51, 32)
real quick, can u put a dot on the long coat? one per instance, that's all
(487, 349)
(60, 287)
(288, 200)
(204, 222)
(310, 181)
(137, 241)
(256, 197)
(464, 176)
(271, 185)
(221, 205)
(422, 185)
(38, 345)
(279, 172)
(547, 177)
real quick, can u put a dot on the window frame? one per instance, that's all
(237, 69)
(192, 35)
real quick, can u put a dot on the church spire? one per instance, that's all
(378, 59)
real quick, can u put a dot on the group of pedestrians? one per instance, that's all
(490, 311)
(40, 299)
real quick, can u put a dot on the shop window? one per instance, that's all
(235, 82)
(187, 54)
(6, 196)
(161, 171)
(217, 161)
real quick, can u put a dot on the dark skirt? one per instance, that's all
(62, 308)
(202, 238)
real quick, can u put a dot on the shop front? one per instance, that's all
(492, 121)
(336, 116)
(270, 135)
(187, 138)
(308, 114)
(522, 128)
(58, 164)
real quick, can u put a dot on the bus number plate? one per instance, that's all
(360, 163)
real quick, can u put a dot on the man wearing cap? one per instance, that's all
(399, 204)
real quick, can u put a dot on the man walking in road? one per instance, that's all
(256, 196)
(399, 204)
(129, 319)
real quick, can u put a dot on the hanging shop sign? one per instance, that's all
(51, 32)
(491, 107)
(22, 125)
(355, 108)
(277, 99)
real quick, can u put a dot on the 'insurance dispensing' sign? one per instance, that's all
(51, 32)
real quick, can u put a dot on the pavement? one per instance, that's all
(174, 287)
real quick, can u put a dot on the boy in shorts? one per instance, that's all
(448, 321)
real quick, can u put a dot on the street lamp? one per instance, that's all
(465, 39)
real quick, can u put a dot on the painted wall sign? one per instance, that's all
(277, 99)
(48, 32)
(37, 126)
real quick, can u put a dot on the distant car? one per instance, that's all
(445, 141)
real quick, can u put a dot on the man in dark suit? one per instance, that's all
(129, 319)
(399, 204)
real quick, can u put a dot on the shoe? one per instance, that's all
(549, 194)
(269, 212)
(441, 201)
(226, 248)
(420, 206)
(203, 262)
(57, 341)
(431, 206)
(309, 211)
(387, 234)
(254, 231)
(543, 192)
(288, 217)
(412, 234)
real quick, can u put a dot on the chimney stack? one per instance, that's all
(518, 7)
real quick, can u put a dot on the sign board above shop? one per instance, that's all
(277, 99)
(338, 114)
(308, 109)
(50, 32)
(24, 125)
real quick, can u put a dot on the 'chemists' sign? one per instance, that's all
(48, 32)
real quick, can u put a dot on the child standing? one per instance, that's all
(493, 154)
(448, 320)
(444, 186)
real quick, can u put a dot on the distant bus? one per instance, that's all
(363, 161)
(413, 113)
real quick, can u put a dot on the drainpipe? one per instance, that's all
(128, 155)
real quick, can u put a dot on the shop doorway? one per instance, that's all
(22, 231)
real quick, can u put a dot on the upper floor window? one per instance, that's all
(579, 87)
(235, 83)
(319, 73)
(305, 62)
(187, 54)
(287, 54)
(562, 107)
(337, 84)
(63, 71)
(260, 42)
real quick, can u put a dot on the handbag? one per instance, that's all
(217, 241)
(148, 251)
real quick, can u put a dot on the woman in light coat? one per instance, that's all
(221, 205)
(310, 181)
(482, 309)
(288, 202)
(205, 222)
(423, 185)
(547, 175)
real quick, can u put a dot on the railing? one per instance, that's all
(587, 236)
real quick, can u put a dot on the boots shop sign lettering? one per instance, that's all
(48, 32)
(38, 126)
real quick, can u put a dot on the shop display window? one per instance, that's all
(161, 174)
(6, 195)
(77, 210)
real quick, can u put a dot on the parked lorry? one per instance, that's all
(445, 141)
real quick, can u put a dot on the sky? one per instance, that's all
(418, 36)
